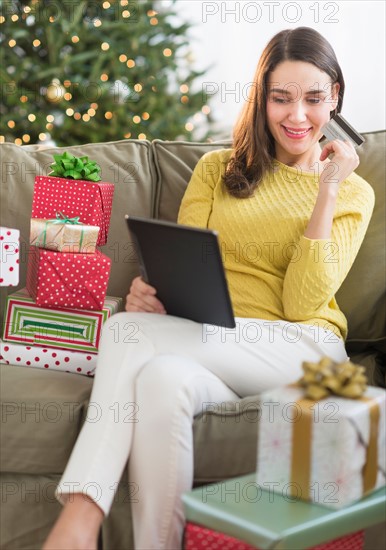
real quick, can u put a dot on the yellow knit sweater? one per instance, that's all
(273, 271)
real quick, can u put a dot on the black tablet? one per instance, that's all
(184, 264)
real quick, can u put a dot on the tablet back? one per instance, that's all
(184, 265)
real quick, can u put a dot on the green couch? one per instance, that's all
(42, 411)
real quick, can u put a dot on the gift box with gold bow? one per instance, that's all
(64, 234)
(323, 439)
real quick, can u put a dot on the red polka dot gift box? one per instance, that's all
(60, 279)
(91, 201)
(9, 256)
(67, 328)
(201, 538)
(76, 362)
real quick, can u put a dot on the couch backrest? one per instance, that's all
(150, 180)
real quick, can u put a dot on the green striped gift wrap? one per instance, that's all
(67, 328)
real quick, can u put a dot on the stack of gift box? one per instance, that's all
(56, 321)
(321, 440)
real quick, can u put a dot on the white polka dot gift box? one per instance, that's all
(92, 202)
(328, 450)
(67, 328)
(77, 362)
(9, 256)
(60, 279)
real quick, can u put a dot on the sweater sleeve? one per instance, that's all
(196, 204)
(319, 266)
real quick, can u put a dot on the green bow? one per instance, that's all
(68, 166)
(61, 218)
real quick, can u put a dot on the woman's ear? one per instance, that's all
(334, 96)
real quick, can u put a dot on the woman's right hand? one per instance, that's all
(142, 298)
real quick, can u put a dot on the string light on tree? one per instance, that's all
(50, 78)
(55, 91)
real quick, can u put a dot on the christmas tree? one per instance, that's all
(78, 71)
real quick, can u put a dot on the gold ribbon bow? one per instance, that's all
(330, 378)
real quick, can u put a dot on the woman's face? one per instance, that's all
(300, 98)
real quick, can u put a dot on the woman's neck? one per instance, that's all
(308, 161)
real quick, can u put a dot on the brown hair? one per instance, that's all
(253, 144)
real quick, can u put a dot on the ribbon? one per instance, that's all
(78, 168)
(32, 325)
(319, 381)
(330, 378)
(61, 219)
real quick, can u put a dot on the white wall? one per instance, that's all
(231, 43)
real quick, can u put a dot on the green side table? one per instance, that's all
(266, 520)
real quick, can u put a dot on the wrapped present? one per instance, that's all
(73, 188)
(323, 439)
(201, 538)
(72, 329)
(197, 537)
(77, 362)
(64, 234)
(9, 256)
(61, 279)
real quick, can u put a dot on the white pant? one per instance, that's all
(155, 373)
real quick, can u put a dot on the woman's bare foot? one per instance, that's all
(77, 527)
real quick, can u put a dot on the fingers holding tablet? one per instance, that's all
(142, 298)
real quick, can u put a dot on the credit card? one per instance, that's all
(339, 128)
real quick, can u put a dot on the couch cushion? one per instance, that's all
(363, 293)
(127, 163)
(41, 415)
(175, 162)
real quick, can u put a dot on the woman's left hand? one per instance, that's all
(343, 163)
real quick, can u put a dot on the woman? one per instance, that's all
(290, 223)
